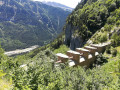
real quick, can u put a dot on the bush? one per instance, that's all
(63, 49)
(118, 23)
(99, 61)
(4, 84)
(108, 27)
(111, 20)
(114, 52)
(116, 40)
(108, 50)
(112, 7)
(103, 38)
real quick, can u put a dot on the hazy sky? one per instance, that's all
(70, 3)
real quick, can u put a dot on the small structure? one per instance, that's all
(100, 48)
(74, 55)
(62, 57)
(92, 50)
(84, 52)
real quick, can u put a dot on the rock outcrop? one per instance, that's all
(71, 40)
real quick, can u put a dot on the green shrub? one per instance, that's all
(108, 27)
(63, 49)
(116, 40)
(103, 38)
(111, 20)
(118, 23)
(114, 52)
(108, 50)
(4, 84)
(112, 7)
(99, 61)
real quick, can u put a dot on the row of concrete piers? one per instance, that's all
(82, 56)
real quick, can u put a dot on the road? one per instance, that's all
(20, 51)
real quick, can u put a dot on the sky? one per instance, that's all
(70, 3)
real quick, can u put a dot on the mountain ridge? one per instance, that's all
(55, 4)
(21, 19)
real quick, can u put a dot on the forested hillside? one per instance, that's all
(89, 17)
(92, 21)
(24, 23)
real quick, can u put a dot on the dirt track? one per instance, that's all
(20, 51)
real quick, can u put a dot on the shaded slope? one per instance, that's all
(24, 23)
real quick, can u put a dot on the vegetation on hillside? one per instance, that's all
(37, 71)
(91, 16)
(41, 73)
(24, 23)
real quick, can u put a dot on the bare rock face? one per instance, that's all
(71, 40)
(68, 34)
(76, 42)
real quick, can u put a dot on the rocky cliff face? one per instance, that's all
(72, 39)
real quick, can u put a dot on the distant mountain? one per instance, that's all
(24, 23)
(54, 4)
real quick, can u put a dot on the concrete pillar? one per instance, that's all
(83, 52)
(73, 55)
(91, 49)
(100, 48)
(84, 62)
(72, 63)
(61, 57)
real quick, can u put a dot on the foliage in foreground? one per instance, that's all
(5, 84)
(40, 73)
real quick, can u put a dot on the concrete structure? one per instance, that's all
(82, 56)
(62, 58)
(93, 52)
(74, 55)
(100, 48)
(91, 49)
(84, 52)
